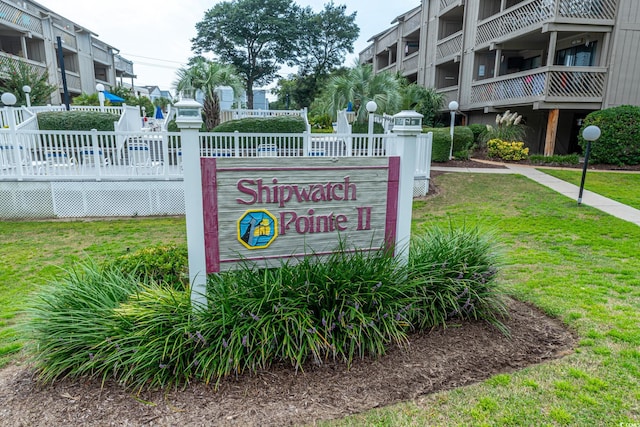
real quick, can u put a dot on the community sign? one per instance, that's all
(264, 211)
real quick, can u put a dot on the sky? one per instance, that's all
(156, 35)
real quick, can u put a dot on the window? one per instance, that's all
(577, 56)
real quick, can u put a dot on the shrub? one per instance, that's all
(278, 124)
(322, 121)
(508, 127)
(161, 264)
(462, 142)
(76, 120)
(454, 273)
(363, 127)
(568, 159)
(105, 323)
(506, 150)
(619, 143)
(478, 130)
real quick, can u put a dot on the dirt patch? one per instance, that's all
(442, 359)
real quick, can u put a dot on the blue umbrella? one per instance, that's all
(113, 98)
(159, 114)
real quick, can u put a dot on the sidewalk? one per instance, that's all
(589, 198)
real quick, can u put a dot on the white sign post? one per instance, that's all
(407, 125)
(189, 120)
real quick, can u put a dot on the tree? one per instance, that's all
(325, 39)
(253, 35)
(20, 74)
(425, 101)
(360, 85)
(207, 76)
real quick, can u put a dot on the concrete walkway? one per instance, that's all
(589, 198)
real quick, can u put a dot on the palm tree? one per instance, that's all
(425, 101)
(359, 86)
(206, 76)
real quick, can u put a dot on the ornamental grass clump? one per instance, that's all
(113, 323)
(348, 305)
(454, 272)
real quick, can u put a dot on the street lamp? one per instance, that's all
(590, 133)
(371, 108)
(453, 107)
(100, 89)
(27, 91)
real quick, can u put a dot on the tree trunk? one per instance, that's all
(211, 111)
(250, 94)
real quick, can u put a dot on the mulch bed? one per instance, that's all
(439, 360)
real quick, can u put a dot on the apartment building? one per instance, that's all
(29, 33)
(553, 61)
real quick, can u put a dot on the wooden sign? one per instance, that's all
(266, 210)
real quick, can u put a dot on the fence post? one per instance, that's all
(15, 144)
(306, 143)
(236, 143)
(407, 127)
(95, 147)
(164, 138)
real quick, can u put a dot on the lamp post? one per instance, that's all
(371, 108)
(590, 133)
(453, 107)
(100, 89)
(27, 94)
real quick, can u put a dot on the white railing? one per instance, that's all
(226, 115)
(343, 124)
(580, 84)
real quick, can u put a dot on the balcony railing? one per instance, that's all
(73, 80)
(100, 54)
(411, 62)
(6, 59)
(412, 24)
(534, 12)
(551, 84)
(449, 46)
(21, 18)
(68, 39)
(446, 3)
(449, 94)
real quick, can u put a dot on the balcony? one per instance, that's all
(554, 84)
(68, 39)
(6, 59)
(410, 63)
(100, 54)
(449, 47)
(367, 54)
(448, 94)
(17, 18)
(446, 3)
(530, 15)
(123, 67)
(73, 81)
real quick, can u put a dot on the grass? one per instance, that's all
(33, 253)
(578, 264)
(622, 187)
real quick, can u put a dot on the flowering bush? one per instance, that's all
(507, 150)
(508, 127)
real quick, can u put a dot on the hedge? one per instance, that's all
(462, 142)
(77, 120)
(619, 143)
(278, 124)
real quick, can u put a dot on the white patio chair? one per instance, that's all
(59, 162)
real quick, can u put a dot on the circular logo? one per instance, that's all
(257, 229)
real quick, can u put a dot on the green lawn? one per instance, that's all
(622, 187)
(33, 252)
(575, 263)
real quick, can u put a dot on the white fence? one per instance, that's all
(76, 174)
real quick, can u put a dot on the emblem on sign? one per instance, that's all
(257, 229)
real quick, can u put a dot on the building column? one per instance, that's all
(552, 131)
